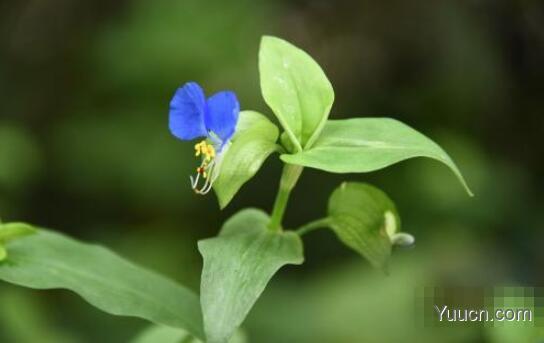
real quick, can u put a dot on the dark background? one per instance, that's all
(85, 149)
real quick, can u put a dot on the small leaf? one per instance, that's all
(362, 145)
(237, 266)
(11, 231)
(296, 89)
(49, 260)
(362, 216)
(254, 141)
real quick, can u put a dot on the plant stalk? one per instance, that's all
(289, 178)
(313, 225)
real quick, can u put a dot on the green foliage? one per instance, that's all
(165, 334)
(296, 89)
(364, 218)
(251, 247)
(254, 141)
(347, 303)
(237, 266)
(362, 145)
(49, 260)
(11, 231)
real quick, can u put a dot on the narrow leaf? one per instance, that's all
(362, 145)
(49, 260)
(254, 141)
(363, 217)
(237, 266)
(296, 89)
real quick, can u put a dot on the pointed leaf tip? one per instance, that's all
(238, 264)
(361, 145)
(296, 89)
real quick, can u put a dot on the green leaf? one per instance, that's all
(237, 266)
(254, 141)
(361, 145)
(49, 260)
(166, 334)
(296, 89)
(11, 231)
(364, 218)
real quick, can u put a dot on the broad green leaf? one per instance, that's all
(254, 141)
(362, 145)
(364, 218)
(296, 89)
(237, 266)
(3, 253)
(166, 334)
(49, 260)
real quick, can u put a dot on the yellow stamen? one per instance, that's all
(206, 169)
(205, 149)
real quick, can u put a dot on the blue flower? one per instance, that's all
(214, 119)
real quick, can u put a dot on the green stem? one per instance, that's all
(289, 178)
(313, 225)
(280, 149)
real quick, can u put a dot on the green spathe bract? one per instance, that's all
(359, 216)
(254, 141)
(252, 246)
(237, 266)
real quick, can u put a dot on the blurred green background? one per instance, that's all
(85, 149)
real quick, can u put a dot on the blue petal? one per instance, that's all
(187, 111)
(222, 115)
